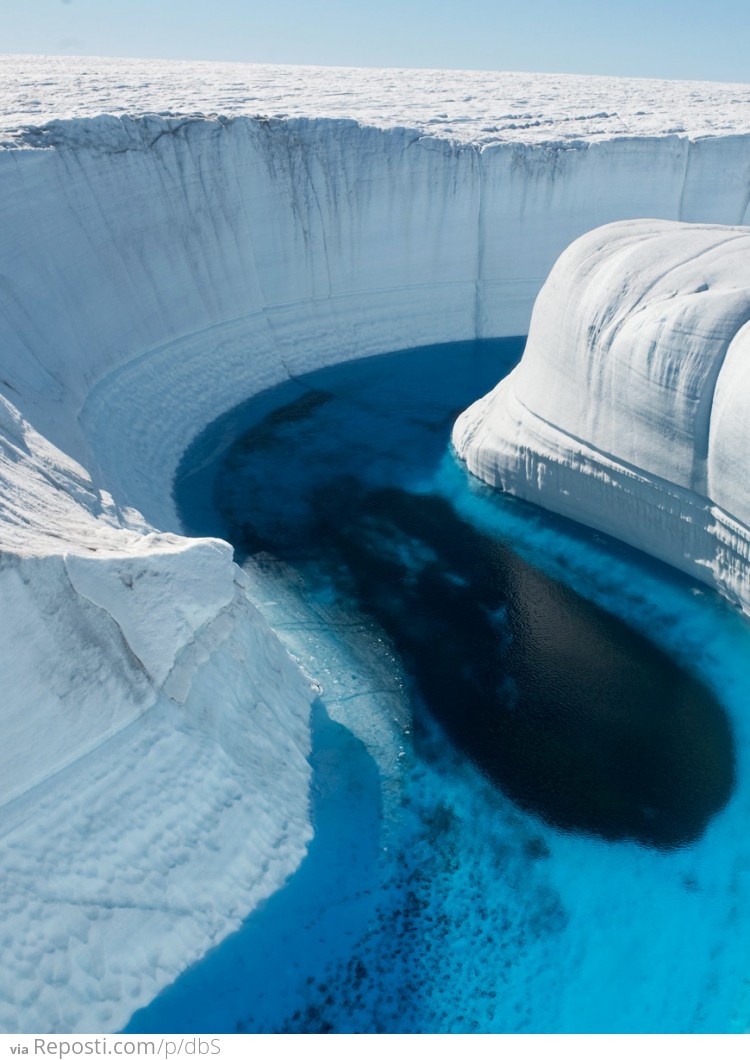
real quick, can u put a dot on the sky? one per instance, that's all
(638, 38)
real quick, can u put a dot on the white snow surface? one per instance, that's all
(468, 106)
(158, 267)
(630, 409)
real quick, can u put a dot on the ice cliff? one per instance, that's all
(629, 409)
(157, 269)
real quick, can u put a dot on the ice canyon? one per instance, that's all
(175, 238)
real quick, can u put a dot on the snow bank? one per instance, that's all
(629, 409)
(154, 272)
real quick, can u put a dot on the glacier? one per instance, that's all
(175, 239)
(628, 410)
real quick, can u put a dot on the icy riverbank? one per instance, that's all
(154, 272)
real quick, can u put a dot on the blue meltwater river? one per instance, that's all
(530, 789)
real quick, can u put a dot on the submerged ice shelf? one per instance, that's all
(157, 268)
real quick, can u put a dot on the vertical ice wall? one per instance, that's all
(142, 256)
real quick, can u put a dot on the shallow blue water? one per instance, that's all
(434, 897)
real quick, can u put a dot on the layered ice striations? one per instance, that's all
(630, 409)
(155, 271)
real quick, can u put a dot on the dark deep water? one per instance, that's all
(543, 766)
(574, 715)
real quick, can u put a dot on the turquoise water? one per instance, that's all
(529, 749)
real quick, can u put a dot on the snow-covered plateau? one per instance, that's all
(177, 237)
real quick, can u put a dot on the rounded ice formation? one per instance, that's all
(630, 409)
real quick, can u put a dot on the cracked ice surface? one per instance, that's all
(156, 269)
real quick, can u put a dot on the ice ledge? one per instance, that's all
(146, 703)
(123, 868)
(158, 606)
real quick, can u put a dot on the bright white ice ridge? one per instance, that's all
(630, 409)
(154, 272)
